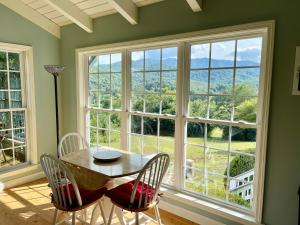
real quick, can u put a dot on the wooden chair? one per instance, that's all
(70, 143)
(66, 195)
(141, 193)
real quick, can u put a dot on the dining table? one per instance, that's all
(126, 165)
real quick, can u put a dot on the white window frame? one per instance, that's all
(264, 29)
(28, 97)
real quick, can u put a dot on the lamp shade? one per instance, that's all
(54, 69)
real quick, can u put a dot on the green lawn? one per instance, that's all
(216, 160)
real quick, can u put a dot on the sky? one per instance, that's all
(247, 50)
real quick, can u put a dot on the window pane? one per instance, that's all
(249, 52)
(168, 105)
(4, 100)
(167, 128)
(137, 61)
(94, 99)
(16, 99)
(6, 139)
(169, 58)
(5, 120)
(136, 143)
(103, 120)
(93, 137)
(115, 139)
(19, 137)
(216, 161)
(194, 180)
(105, 101)
(137, 82)
(13, 60)
(150, 126)
(168, 84)
(245, 109)
(152, 59)
(136, 124)
(93, 64)
(200, 56)
(116, 101)
(152, 103)
(217, 136)
(222, 54)
(247, 82)
(18, 119)
(152, 81)
(3, 80)
(150, 144)
(198, 106)
(3, 62)
(198, 82)
(137, 103)
(104, 63)
(93, 119)
(243, 140)
(215, 186)
(15, 81)
(221, 81)
(115, 121)
(116, 62)
(194, 159)
(195, 133)
(20, 154)
(220, 107)
(93, 82)
(104, 82)
(103, 137)
(116, 83)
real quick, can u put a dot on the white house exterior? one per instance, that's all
(242, 185)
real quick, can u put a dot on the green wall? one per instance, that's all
(174, 16)
(17, 30)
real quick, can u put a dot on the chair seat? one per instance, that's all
(121, 194)
(87, 196)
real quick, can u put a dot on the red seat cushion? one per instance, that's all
(87, 196)
(122, 193)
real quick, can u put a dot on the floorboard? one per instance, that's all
(29, 204)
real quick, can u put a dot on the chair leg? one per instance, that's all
(157, 215)
(111, 214)
(137, 221)
(73, 218)
(119, 214)
(102, 212)
(54, 217)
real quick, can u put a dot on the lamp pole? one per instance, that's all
(55, 70)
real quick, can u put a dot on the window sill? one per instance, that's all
(210, 207)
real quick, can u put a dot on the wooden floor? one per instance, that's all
(29, 204)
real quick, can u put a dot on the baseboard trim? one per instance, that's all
(187, 214)
(21, 180)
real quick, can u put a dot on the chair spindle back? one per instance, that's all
(149, 181)
(70, 143)
(61, 181)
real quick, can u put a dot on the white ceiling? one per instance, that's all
(93, 8)
(52, 14)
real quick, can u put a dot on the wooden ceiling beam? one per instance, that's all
(73, 13)
(127, 9)
(196, 5)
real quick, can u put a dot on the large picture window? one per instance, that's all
(13, 144)
(204, 101)
(221, 124)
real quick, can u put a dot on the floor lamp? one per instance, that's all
(55, 70)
